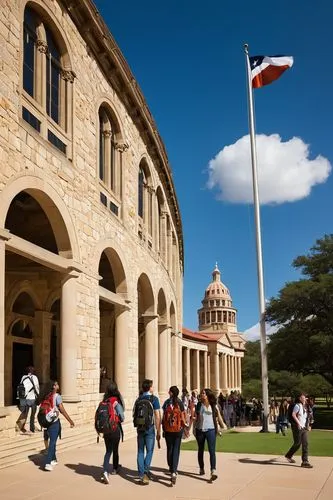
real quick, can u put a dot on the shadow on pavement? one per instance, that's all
(270, 461)
(37, 459)
(193, 475)
(93, 471)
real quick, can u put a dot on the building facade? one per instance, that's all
(91, 243)
(212, 356)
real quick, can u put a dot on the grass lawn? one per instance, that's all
(320, 443)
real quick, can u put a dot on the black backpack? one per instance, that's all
(20, 390)
(143, 413)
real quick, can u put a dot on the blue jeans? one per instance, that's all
(111, 445)
(146, 440)
(201, 437)
(53, 432)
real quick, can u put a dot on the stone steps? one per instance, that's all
(22, 448)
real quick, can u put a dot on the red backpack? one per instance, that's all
(106, 418)
(172, 418)
(47, 413)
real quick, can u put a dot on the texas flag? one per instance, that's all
(266, 69)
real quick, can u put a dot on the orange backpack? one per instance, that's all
(172, 418)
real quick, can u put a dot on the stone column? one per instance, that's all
(196, 370)
(69, 339)
(174, 359)
(205, 370)
(215, 372)
(208, 370)
(2, 322)
(163, 361)
(169, 357)
(224, 379)
(42, 334)
(228, 373)
(233, 371)
(121, 350)
(163, 237)
(151, 351)
(188, 369)
(239, 361)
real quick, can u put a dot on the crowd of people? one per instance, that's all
(200, 413)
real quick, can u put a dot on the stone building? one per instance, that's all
(91, 243)
(212, 356)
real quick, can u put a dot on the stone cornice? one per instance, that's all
(111, 60)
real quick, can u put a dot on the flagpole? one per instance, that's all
(260, 272)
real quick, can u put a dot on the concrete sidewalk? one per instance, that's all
(241, 477)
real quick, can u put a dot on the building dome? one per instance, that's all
(216, 287)
(217, 312)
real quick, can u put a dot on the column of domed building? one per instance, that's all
(216, 348)
(91, 243)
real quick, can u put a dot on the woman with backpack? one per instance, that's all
(108, 419)
(207, 421)
(173, 424)
(48, 416)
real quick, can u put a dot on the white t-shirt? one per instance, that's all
(26, 380)
(207, 421)
(301, 413)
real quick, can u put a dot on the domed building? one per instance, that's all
(221, 348)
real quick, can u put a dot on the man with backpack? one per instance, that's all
(299, 419)
(173, 424)
(27, 393)
(146, 418)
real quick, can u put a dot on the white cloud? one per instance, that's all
(253, 333)
(284, 169)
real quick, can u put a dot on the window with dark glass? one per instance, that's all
(53, 74)
(101, 149)
(29, 51)
(140, 192)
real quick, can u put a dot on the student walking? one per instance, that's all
(299, 426)
(282, 419)
(173, 424)
(48, 417)
(108, 419)
(28, 392)
(208, 420)
(146, 418)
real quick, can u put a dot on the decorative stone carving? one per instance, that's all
(68, 75)
(42, 46)
(121, 146)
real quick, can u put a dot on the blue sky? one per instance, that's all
(188, 59)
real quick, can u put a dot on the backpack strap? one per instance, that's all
(33, 386)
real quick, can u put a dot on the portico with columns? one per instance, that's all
(216, 347)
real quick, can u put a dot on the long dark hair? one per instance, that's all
(112, 391)
(48, 389)
(174, 394)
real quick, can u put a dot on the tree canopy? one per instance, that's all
(303, 311)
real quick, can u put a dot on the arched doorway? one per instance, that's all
(147, 332)
(21, 338)
(35, 224)
(112, 309)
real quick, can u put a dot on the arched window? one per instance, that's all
(47, 81)
(145, 198)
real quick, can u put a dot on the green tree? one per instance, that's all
(251, 367)
(304, 309)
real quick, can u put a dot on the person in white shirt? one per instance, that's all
(31, 384)
(299, 427)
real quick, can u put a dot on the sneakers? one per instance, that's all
(145, 479)
(54, 463)
(48, 467)
(290, 460)
(213, 475)
(105, 478)
(173, 478)
(202, 472)
(306, 465)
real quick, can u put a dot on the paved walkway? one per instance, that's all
(241, 477)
